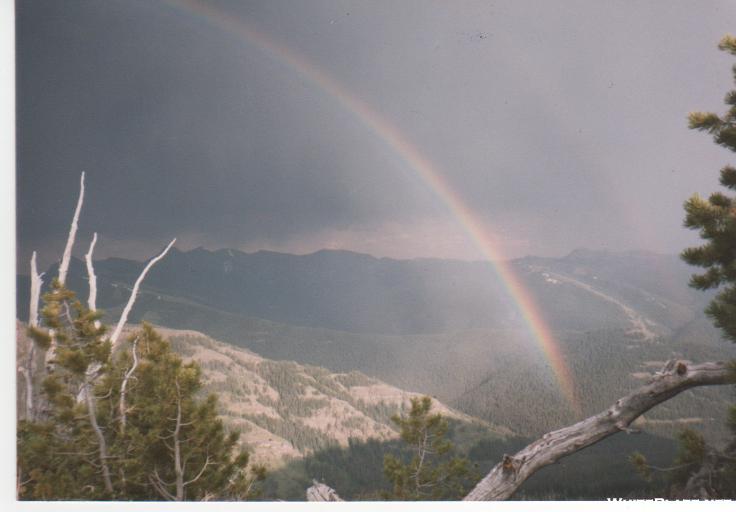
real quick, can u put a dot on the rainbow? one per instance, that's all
(426, 170)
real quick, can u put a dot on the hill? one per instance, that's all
(285, 410)
(445, 328)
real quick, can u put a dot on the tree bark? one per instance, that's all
(677, 376)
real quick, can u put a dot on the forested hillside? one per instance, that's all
(285, 410)
(486, 370)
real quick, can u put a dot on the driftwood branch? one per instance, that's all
(322, 492)
(677, 376)
(134, 294)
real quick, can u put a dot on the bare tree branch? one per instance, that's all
(124, 385)
(134, 294)
(64, 265)
(506, 477)
(36, 283)
(92, 300)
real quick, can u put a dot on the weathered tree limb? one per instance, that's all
(677, 376)
(36, 283)
(29, 369)
(64, 265)
(322, 492)
(134, 294)
(92, 299)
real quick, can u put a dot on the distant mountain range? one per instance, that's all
(443, 327)
(357, 293)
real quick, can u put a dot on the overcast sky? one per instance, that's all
(559, 124)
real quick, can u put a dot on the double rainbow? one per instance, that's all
(415, 160)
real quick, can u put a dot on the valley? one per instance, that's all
(300, 372)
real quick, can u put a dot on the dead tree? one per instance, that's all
(677, 376)
(87, 389)
(29, 369)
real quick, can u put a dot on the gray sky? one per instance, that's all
(559, 124)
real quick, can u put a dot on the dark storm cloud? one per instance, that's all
(180, 129)
(560, 124)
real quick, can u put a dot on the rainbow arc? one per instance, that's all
(415, 160)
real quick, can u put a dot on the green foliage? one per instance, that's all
(699, 469)
(142, 432)
(715, 218)
(432, 472)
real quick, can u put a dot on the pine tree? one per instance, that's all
(432, 472)
(715, 218)
(124, 425)
(700, 470)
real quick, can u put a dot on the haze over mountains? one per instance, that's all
(443, 327)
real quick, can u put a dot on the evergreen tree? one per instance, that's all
(699, 469)
(715, 218)
(432, 472)
(124, 425)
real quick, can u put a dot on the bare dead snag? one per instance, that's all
(322, 492)
(92, 305)
(134, 294)
(66, 257)
(64, 264)
(36, 283)
(29, 369)
(677, 376)
(92, 299)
